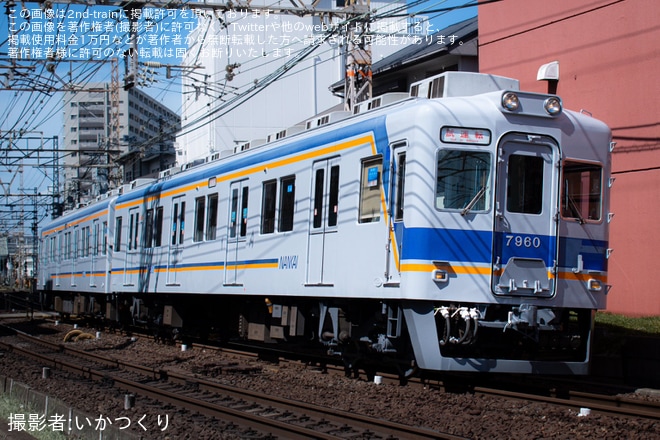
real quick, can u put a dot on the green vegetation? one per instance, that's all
(9, 407)
(646, 326)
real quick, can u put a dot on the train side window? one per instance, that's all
(182, 222)
(212, 217)
(178, 222)
(85, 242)
(233, 215)
(200, 210)
(130, 232)
(118, 230)
(268, 204)
(90, 243)
(104, 243)
(244, 210)
(333, 200)
(175, 223)
(76, 243)
(67, 245)
(400, 187)
(82, 234)
(44, 252)
(582, 195)
(463, 180)
(525, 184)
(319, 180)
(96, 238)
(64, 250)
(148, 228)
(134, 220)
(158, 227)
(287, 203)
(370, 201)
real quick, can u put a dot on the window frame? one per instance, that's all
(118, 232)
(134, 230)
(370, 193)
(563, 192)
(287, 204)
(178, 220)
(488, 189)
(200, 214)
(268, 206)
(212, 205)
(526, 205)
(399, 181)
(158, 227)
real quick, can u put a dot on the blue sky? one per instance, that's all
(443, 13)
(76, 33)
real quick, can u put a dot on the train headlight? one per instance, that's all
(552, 105)
(594, 285)
(510, 101)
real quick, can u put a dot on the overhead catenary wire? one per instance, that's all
(236, 96)
(223, 109)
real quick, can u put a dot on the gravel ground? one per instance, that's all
(466, 415)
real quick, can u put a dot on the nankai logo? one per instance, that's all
(289, 262)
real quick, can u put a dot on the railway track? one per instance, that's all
(564, 395)
(272, 416)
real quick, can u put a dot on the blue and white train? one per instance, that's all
(462, 227)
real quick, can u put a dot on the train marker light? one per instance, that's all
(594, 285)
(510, 101)
(552, 105)
(440, 276)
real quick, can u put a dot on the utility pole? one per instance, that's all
(356, 14)
(358, 80)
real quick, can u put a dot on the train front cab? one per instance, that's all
(519, 297)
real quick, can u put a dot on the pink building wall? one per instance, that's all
(609, 64)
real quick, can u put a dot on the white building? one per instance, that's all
(143, 149)
(233, 51)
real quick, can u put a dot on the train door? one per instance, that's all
(525, 230)
(323, 250)
(237, 231)
(177, 229)
(132, 261)
(395, 217)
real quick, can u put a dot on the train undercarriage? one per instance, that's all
(365, 335)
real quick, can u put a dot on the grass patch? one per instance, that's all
(645, 326)
(10, 406)
(613, 331)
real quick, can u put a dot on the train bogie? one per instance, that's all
(467, 232)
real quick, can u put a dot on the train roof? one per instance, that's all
(324, 129)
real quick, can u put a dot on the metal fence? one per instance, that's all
(40, 412)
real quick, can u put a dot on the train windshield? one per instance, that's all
(463, 180)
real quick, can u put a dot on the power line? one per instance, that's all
(550, 23)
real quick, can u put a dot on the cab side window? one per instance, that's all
(582, 191)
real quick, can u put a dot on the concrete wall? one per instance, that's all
(609, 59)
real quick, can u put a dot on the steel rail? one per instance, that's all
(369, 425)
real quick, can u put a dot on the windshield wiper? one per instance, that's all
(575, 209)
(474, 201)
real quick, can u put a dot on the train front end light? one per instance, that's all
(553, 106)
(594, 285)
(510, 101)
